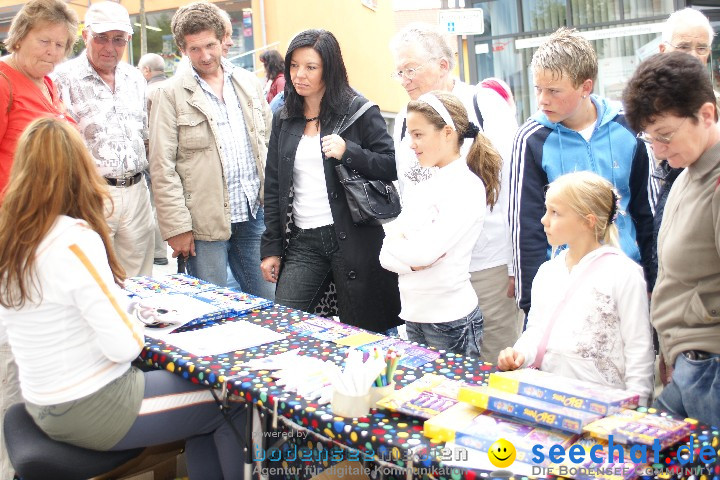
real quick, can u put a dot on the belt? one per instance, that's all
(698, 355)
(124, 182)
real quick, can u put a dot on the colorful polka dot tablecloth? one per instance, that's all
(392, 438)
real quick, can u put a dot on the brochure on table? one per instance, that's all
(169, 302)
(228, 337)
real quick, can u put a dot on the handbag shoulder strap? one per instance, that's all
(343, 125)
(542, 346)
(10, 89)
(477, 112)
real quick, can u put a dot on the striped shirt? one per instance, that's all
(238, 162)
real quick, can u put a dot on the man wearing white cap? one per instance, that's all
(106, 97)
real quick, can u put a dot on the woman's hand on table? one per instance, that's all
(510, 359)
(270, 267)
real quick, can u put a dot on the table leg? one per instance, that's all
(249, 420)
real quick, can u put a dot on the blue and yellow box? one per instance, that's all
(568, 392)
(526, 408)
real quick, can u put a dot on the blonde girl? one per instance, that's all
(589, 317)
(430, 244)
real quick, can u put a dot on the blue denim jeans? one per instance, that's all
(312, 259)
(241, 252)
(463, 336)
(694, 391)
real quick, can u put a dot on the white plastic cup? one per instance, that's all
(378, 393)
(350, 405)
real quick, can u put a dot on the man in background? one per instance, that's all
(152, 66)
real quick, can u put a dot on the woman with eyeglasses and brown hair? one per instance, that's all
(670, 100)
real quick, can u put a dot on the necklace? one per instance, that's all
(308, 120)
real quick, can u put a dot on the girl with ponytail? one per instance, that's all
(430, 243)
(589, 317)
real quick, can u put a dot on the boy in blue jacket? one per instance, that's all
(574, 130)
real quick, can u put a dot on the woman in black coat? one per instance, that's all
(322, 243)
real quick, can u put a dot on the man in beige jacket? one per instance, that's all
(210, 127)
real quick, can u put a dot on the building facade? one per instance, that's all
(623, 32)
(363, 28)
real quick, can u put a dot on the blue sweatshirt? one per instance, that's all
(542, 151)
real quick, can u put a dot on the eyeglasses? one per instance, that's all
(664, 139)
(408, 73)
(701, 50)
(104, 39)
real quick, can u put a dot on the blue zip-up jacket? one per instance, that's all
(542, 151)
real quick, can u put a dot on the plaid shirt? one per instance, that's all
(113, 124)
(238, 162)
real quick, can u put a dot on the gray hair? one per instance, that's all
(567, 53)
(35, 12)
(686, 17)
(152, 61)
(428, 37)
(227, 21)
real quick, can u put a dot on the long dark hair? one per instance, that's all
(274, 64)
(337, 89)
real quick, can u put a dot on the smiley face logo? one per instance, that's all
(502, 453)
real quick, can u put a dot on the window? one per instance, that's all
(511, 37)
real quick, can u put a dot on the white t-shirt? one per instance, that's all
(311, 206)
(586, 133)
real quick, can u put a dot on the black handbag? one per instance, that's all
(370, 201)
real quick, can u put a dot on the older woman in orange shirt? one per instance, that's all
(41, 35)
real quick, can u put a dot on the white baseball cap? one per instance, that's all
(107, 16)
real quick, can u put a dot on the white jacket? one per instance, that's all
(493, 247)
(439, 225)
(603, 332)
(78, 337)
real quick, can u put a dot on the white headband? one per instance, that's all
(438, 106)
